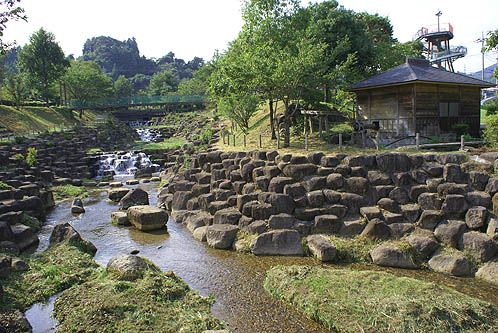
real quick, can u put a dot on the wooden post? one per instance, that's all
(462, 142)
(234, 140)
(278, 138)
(223, 134)
(340, 140)
(228, 139)
(306, 141)
(363, 138)
(245, 143)
(377, 139)
(260, 141)
(417, 140)
(320, 120)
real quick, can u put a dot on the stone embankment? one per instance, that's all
(60, 159)
(426, 210)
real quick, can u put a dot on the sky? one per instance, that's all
(200, 27)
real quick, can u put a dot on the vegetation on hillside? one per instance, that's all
(346, 300)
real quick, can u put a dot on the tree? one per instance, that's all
(492, 44)
(9, 11)
(162, 83)
(86, 81)
(123, 87)
(16, 87)
(239, 108)
(43, 62)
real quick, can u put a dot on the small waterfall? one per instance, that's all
(146, 134)
(125, 164)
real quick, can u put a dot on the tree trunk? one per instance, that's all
(286, 124)
(272, 120)
(326, 93)
(81, 113)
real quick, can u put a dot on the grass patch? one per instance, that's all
(158, 126)
(50, 272)
(4, 186)
(26, 120)
(370, 301)
(69, 191)
(170, 143)
(353, 250)
(158, 302)
(93, 151)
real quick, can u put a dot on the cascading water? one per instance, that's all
(146, 134)
(125, 164)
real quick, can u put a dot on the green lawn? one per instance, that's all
(169, 143)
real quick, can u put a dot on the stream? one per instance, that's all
(234, 279)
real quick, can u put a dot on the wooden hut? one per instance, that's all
(418, 98)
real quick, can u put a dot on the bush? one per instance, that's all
(461, 129)
(4, 186)
(31, 159)
(342, 128)
(491, 131)
(491, 107)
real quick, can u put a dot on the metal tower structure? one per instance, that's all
(437, 47)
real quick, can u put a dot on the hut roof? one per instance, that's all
(417, 70)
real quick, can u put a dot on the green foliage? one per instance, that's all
(123, 87)
(491, 131)
(162, 83)
(206, 136)
(10, 11)
(31, 157)
(373, 301)
(461, 129)
(491, 107)
(62, 192)
(43, 62)
(342, 128)
(19, 157)
(52, 271)
(4, 186)
(239, 108)
(86, 81)
(353, 250)
(156, 302)
(169, 143)
(16, 87)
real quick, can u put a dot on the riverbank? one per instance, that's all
(347, 300)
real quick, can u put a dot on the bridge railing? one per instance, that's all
(117, 102)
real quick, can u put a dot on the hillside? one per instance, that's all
(27, 120)
(488, 74)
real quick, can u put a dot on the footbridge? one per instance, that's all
(141, 107)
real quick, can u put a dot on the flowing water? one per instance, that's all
(234, 279)
(125, 164)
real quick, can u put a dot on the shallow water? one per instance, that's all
(234, 279)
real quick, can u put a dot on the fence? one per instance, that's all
(135, 101)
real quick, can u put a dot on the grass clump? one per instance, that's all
(4, 186)
(370, 301)
(353, 250)
(50, 272)
(157, 302)
(170, 143)
(62, 192)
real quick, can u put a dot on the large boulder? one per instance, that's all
(136, 197)
(221, 236)
(321, 248)
(120, 218)
(391, 256)
(128, 267)
(423, 245)
(488, 272)
(449, 232)
(147, 218)
(116, 194)
(479, 245)
(180, 199)
(278, 242)
(453, 264)
(77, 206)
(65, 232)
(390, 162)
(377, 230)
(227, 216)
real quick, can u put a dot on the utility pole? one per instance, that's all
(482, 40)
(438, 14)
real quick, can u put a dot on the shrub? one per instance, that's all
(342, 128)
(491, 131)
(31, 159)
(491, 107)
(19, 140)
(4, 186)
(461, 129)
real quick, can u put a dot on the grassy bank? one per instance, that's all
(25, 120)
(157, 302)
(369, 301)
(170, 143)
(63, 192)
(54, 270)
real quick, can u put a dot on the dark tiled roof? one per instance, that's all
(417, 70)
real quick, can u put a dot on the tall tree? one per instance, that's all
(162, 83)
(123, 87)
(239, 108)
(43, 62)
(16, 87)
(9, 10)
(86, 81)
